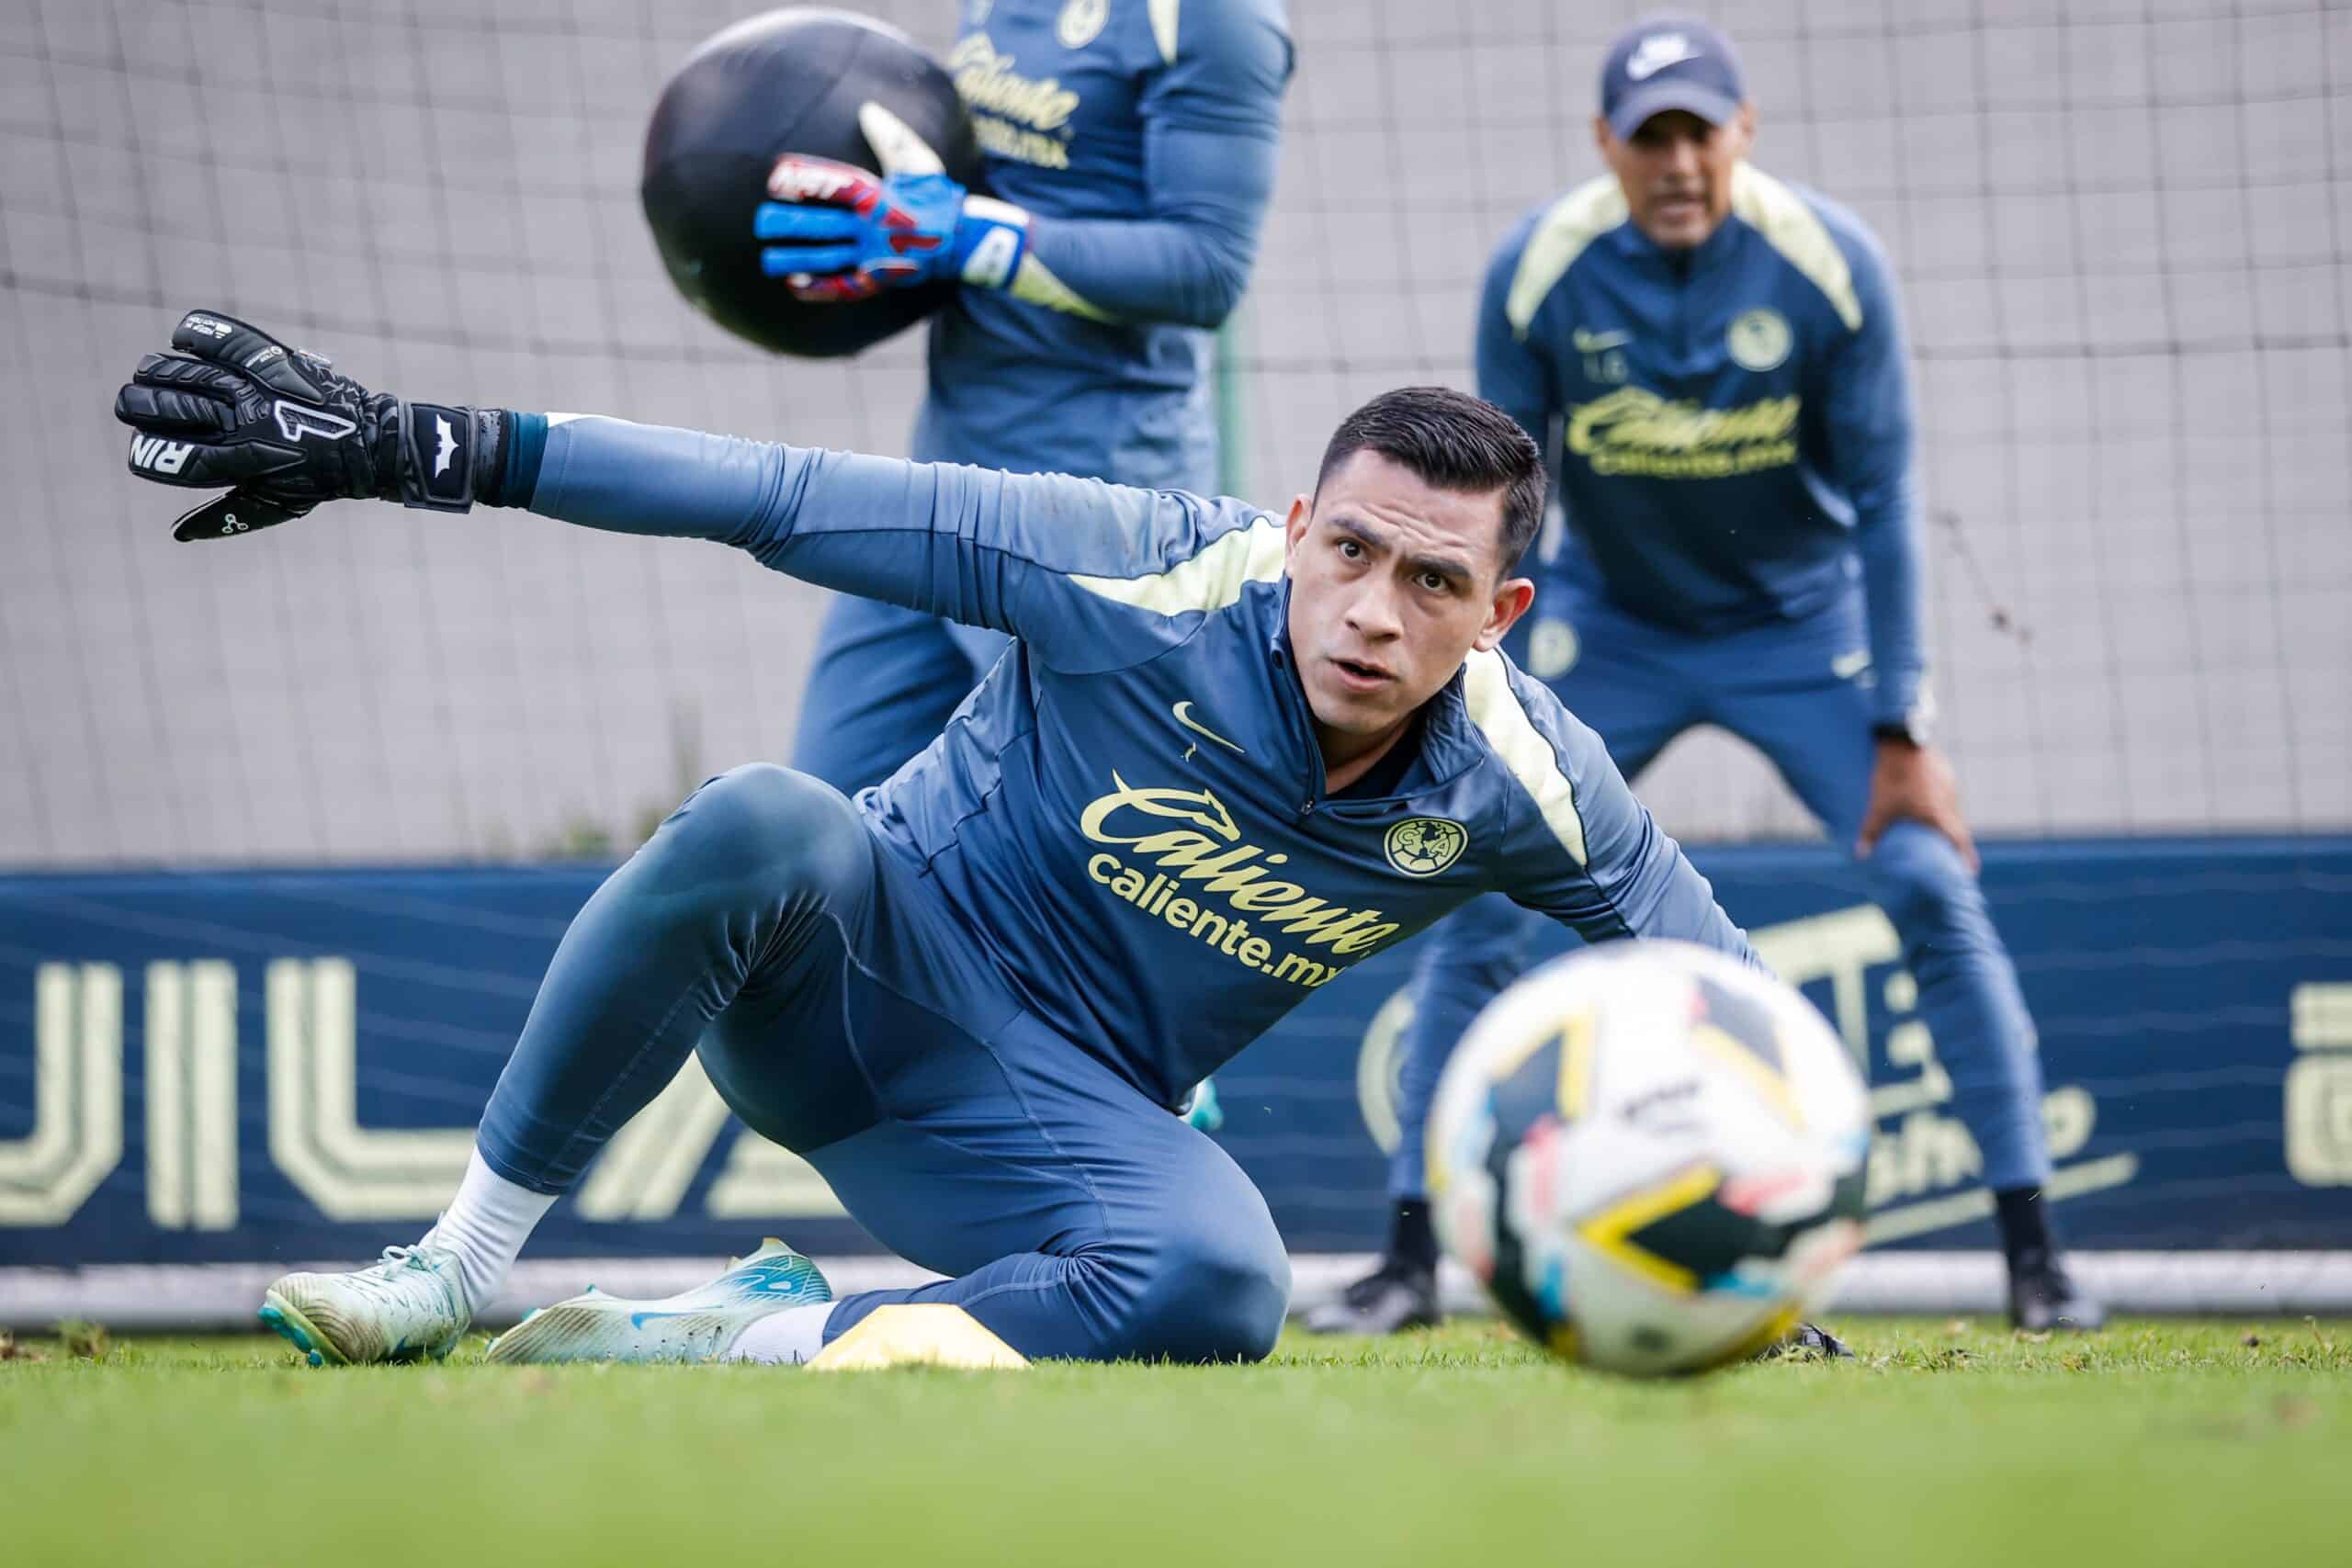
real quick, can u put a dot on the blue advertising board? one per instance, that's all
(247, 1066)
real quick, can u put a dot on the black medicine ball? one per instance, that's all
(790, 81)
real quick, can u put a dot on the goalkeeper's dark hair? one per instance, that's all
(1455, 442)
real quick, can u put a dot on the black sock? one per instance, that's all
(2025, 1228)
(1411, 1241)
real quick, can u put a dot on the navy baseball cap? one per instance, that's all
(1669, 62)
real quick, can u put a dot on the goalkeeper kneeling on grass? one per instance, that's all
(1234, 754)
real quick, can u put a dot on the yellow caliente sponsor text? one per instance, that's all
(1635, 431)
(1181, 874)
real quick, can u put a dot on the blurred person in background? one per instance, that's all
(1713, 360)
(1130, 154)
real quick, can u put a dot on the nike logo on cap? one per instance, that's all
(1657, 51)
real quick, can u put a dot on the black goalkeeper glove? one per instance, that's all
(236, 407)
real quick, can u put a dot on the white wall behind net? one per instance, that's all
(2121, 230)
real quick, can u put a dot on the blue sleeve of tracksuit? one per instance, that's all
(1512, 375)
(1583, 850)
(1212, 121)
(1013, 552)
(1870, 456)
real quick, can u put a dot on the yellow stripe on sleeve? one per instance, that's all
(1794, 229)
(1558, 238)
(1035, 284)
(1496, 709)
(1163, 28)
(1209, 580)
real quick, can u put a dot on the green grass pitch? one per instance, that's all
(1946, 1443)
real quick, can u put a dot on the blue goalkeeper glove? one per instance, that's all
(843, 234)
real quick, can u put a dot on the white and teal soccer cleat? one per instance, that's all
(1202, 1110)
(699, 1324)
(406, 1307)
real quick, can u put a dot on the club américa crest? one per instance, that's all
(1423, 846)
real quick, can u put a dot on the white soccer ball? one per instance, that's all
(1651, 1156)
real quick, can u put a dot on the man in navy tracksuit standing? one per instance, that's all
(1714, 362)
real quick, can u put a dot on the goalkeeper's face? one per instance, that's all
(1393, 583)
(1676, 169)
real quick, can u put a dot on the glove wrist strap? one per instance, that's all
(440, 444)
(991, 238)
